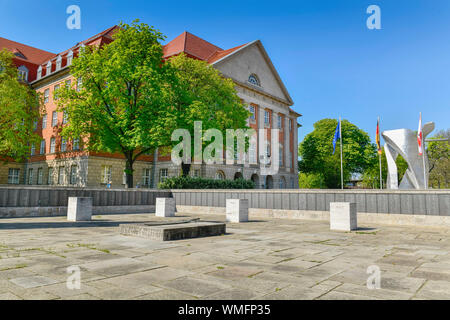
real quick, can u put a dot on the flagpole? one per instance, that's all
(379, 156)
(340, 135)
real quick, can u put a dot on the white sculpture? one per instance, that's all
(404, 142)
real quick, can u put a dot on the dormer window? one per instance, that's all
(39, 72)
(23, 73)
(253, 79)
(69, 58)
(58, 63)
(48, 68)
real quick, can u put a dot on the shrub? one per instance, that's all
(204, 183)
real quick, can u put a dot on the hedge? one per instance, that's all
(204, 183)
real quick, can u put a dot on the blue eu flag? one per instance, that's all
(337, 135)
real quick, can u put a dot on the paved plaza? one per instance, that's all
(261, 259)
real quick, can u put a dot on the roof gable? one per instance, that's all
(252, 58)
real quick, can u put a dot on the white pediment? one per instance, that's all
(252, 59)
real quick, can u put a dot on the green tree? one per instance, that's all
(371, 176)
(439, 159)
(123, 97)
(19, 111)
(310, 181)
(316, 152)
(201, 93)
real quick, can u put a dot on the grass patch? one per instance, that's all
(366, 232)
(88, 246)
(220, 268)
(18, 266)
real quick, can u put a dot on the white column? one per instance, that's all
(295, 153)
(286, 142)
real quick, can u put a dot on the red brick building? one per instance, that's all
(58, 162)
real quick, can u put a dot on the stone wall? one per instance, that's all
(425, 202)
(57, 196)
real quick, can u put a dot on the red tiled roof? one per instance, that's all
(223, 53)
(33, 55)
(191, 45)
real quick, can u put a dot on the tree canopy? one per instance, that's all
(439, 160)
(316, 152)
(131, 100)
(19, 111)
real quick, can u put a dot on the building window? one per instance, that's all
(220, 175)
(280, 156)
(58, 62)
(73, 174)
(42, 148)
(35, 123)
(55, 92)
(65, 117)
(106, 174)
(50, 176)
(30, 176)
(163, 175)
(46, 95)
(79, 84)
(13, 176)
(61, 172)
(54, 118)
(196, 173)
(23, 73)
(63, 145)
(48, 68)
(76, 144)
(253, 79)
(266, 118)
(279, 122)
(33, 149)
(292, 183)
(39, 72)
(52, 145)
(252, 111)
(282, 184)
(147, 178)
(69, 58)
(44, 121)
(39, 176)
(290, 124)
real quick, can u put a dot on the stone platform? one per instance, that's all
(173, 230)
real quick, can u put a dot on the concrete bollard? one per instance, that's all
(343, 216)
(79, 209)
(165, 207)
(237, 210)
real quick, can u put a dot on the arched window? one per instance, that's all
(23, 73)
(253, 79)
(69, 58)
(220, 175)
(48, 68)
(58, 63)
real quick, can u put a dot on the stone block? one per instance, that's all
(343, 216)
(178, 231)
(165, 207)
(237, 210)
(79, 209)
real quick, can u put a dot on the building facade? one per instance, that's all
(56, 161)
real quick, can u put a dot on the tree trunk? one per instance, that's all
(185, 167)
(129, 172)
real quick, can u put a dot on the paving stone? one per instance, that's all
(33, 281)
(196, 287)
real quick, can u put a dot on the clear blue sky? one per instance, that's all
(329, 61)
